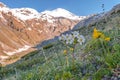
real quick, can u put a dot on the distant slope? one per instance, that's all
(93, 19)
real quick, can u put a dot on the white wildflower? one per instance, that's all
(69, 39)
(81, 39)
(62, 37)
(66, 36)
(75, 34)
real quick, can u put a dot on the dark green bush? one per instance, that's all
(48, 46)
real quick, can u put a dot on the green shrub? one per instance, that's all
(48, 46)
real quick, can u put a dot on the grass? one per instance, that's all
(97, 59)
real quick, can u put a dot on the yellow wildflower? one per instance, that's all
(65, 52)
(71, 49)
(97, 34)
(102, 36)
(107, 39)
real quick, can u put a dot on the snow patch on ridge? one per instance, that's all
(4, 9)
(47, 18)
(29, 29)
(25, 13)
(3, 57)
(24, 48)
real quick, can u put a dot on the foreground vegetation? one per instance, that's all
(97, 58)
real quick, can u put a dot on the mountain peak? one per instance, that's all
(59, 12)
(2, 5)
(62, 12)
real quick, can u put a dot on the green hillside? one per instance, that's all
(98, 58)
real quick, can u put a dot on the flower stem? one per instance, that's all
(103, 46)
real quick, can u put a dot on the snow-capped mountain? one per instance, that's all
(29, 13)
(23, 28)
(59, 12)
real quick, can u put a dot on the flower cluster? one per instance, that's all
(98, 34)
(72, 38)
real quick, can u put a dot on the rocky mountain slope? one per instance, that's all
(94, 18)
(23, 28)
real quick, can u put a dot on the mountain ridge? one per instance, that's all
(18, 31)
(30, 13)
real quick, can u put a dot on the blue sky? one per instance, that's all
(78, 7)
